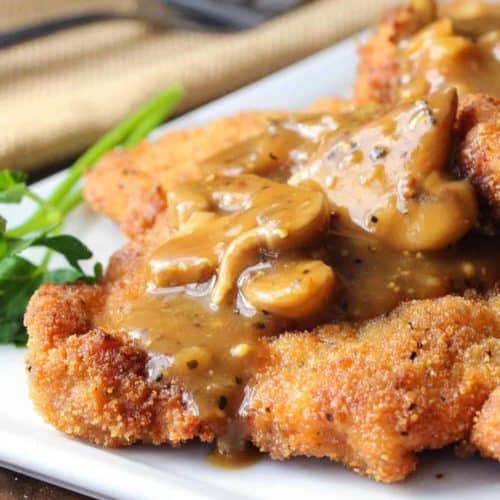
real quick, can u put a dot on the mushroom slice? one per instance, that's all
(254, 215)
(283, 146)
(389, 177)
(291, 221)
(293, 289)
(185, 200)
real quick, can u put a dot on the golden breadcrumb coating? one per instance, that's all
(368, 395)
(478, 157)
(486, 431)
(378, 67)
(371, 395)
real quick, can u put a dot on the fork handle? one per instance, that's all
(226, 15)
(35, 30)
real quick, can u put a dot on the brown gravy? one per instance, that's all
(235, 459)
(438, 57)
(472, 18)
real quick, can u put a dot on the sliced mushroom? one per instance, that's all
(181, 270)
(293, 220)
(185, 200)
(284, 146)
(295, 289)
(388, 177)
(271, 216)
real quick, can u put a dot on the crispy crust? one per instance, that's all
(371, 396)
(94, 385)
(486, 432)
(354, 393)
(378, 67)
(478, 158)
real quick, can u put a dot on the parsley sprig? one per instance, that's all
(20, 276)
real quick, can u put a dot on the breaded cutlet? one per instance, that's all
(366, 394)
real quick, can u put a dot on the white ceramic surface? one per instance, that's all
(28, 445)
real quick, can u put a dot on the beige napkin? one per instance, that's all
(58, 94)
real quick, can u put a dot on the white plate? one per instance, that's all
(29, 445)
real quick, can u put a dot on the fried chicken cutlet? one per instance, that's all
(478, 128)
(369, 395)
(317, 289)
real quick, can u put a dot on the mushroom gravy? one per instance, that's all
(460, 50)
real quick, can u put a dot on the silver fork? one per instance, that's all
(190, 14)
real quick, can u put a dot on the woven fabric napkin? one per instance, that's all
(59, 93)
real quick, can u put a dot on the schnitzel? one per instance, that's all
(321, 282)
(368, 394)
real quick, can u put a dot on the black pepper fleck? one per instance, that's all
(222, 403)
(413, 355)
(273, 156)
(260, 325)
(331, 155)
(374, 219)
(192, 364)
(377, 153)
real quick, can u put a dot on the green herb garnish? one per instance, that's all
(19, 276)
